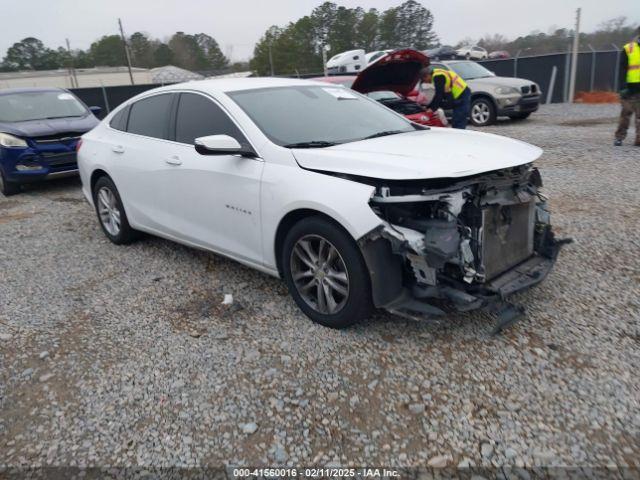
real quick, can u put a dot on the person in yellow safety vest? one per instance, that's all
(449, 84)
(630, 90)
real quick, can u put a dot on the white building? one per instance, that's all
(172, 74)
(86, 77)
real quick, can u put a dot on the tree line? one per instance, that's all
(614, 32)
(197, 52)
(297, 47)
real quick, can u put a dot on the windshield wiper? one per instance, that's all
(311, 144)
(64, 116)
(384, 134)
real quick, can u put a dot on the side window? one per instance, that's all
(150, 116)
(198, 116)
(119, 120)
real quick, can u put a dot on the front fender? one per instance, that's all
(286, 189)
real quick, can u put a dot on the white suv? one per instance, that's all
(473, 53)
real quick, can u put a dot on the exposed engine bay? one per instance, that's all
(459, 244)
(402, 105)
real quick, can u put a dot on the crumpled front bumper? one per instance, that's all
(35, 163)
(451, 296)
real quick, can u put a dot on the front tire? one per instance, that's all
(483, 112)
(326, 274)
(8, 188)
(111, 214)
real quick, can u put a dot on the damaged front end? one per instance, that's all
(459, 244)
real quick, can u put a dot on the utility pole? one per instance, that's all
(325, 49)
(72, 71)
(574, 58)
(126, 51)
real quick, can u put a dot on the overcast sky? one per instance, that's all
(238, 24)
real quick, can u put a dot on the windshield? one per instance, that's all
(20, 107)
(384, 95)
(307, 114)
(470, 70)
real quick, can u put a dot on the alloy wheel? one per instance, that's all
(108, 211)
(480, 113)
(319, 274)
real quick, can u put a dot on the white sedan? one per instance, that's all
(352, 205)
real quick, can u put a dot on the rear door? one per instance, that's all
(139, 160)
(212, 200)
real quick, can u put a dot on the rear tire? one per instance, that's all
(326, 274)
(483, 112)
(110, 211)
(8, 188)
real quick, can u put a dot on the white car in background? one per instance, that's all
(355, 207)
(352, 61)
(375, 55)
(473, 53)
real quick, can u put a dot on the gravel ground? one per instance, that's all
(125, 355)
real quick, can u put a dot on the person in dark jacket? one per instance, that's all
(450, 86)
(629, 90)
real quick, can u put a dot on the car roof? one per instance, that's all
(224, 85)
(10, 91)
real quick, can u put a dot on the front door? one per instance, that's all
(212, 200)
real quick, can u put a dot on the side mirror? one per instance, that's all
(96, 110)
(220, 145)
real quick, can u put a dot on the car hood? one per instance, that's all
(42, 128)
(397, 71)
(493, 82)
(425, 154)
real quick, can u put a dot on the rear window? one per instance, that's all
(119, 120)
(150, 116)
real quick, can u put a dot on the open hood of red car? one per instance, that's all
(398, 71)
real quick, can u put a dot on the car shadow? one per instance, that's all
(58, 185)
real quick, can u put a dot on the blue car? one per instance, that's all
(39, 133)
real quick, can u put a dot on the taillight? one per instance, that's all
(78, 145)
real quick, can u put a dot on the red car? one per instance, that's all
(499, 54)
(389, 80)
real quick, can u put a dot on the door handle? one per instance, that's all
(173, 160)
(118, 149)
